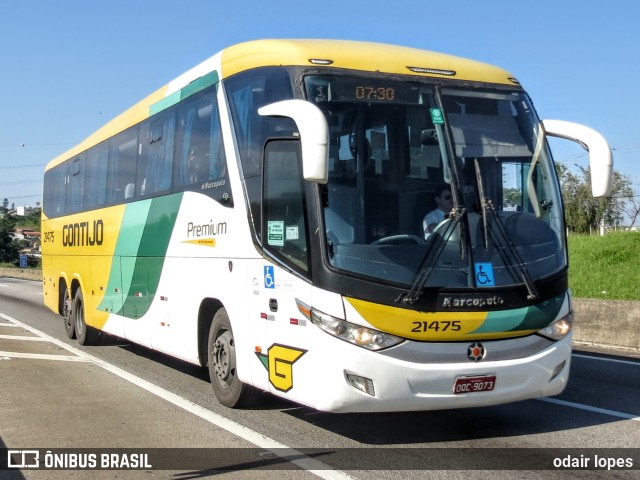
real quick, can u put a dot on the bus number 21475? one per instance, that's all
(436, 326)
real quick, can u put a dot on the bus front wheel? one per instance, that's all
(228, 389)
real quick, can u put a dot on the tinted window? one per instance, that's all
(200, 157)
(247, 92)
(55, 187)
(284, 221)
(75, 184)
(95, 191)
(156, 161)
(180, 148)
(121, 179)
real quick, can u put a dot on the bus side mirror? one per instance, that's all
(600, 158)
(314, 135)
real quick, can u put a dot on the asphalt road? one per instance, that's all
(57, 395)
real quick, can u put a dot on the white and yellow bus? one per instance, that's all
(263, 215)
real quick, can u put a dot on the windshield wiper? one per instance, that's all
(434, 250)
(502, 238)
(485, 204)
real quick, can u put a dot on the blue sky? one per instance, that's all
(68, 66)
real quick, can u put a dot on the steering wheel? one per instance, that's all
(404, 239)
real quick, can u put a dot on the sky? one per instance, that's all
(69, 66)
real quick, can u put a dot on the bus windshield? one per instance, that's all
(447, 187)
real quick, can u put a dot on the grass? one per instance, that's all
(605, 267)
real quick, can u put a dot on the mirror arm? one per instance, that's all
(600, 157)
(314, 135)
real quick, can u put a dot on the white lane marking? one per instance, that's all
(23, 290)
(302, 461)
(589, 357)
(22, 337)
(604, 411)
(4, 355)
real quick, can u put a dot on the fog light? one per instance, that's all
(361, 383)
(557, 370)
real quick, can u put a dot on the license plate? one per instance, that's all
(480, 383)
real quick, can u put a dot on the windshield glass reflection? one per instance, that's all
(407, 159)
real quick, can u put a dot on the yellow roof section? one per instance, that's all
(353, 55)
(368, 56)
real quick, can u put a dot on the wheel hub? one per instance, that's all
(66, 311)
(221, 356)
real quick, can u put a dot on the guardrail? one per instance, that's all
(606, 323)
(26, 273)
(609, 323)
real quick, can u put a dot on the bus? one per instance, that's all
(263, 216)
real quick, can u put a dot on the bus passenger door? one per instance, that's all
(287, 339)
(287, 262)
(258, 277)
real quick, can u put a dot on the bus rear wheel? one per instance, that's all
(86, 335)
(67, 309)
(228, 389)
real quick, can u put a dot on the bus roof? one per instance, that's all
(367, 56)
(353, 55)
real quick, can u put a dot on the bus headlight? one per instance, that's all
(558, 329)
(357, 334)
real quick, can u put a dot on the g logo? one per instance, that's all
(279, 363)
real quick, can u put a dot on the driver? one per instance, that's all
(444, 204)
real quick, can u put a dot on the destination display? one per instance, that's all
(345, 89)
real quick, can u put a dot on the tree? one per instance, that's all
(31, 220)
(8, 249)
(585, 213)
(512, 196)
(632, 208)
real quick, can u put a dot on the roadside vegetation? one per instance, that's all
(10, 247)
(605, 267)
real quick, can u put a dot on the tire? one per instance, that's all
(86, 335)
(67, 316)
(229, 391)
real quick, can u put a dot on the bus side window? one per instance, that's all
(284, 230)
(121, 176)
(200, 157)
(218, 167)
(194, 155)
(95, 181)
(156, 160)
(75, 184)
(55, 190)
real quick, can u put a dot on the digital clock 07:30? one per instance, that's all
(375, 93)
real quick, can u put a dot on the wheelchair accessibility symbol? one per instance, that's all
(484, 275)
(269, 280)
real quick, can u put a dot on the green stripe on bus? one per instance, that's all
(127, 244)
(164, 103)
(527, 318)
(194, 87)
(199, 84)
(145, 269)
(138, 259)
